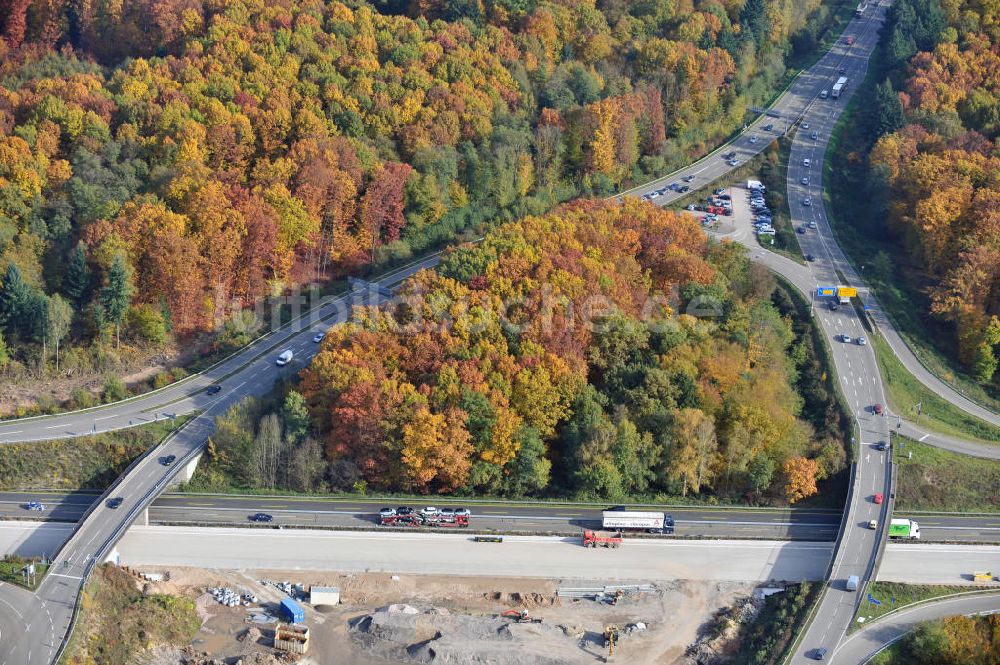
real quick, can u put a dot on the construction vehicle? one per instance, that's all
(416, 520)
(520, 616)
(601, 539)
(611, 636)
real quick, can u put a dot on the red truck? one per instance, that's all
(601, 539)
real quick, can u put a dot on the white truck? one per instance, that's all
(902, 528)
(651, 522)
(838, 87)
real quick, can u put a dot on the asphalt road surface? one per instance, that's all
(522, 556)
(38, 633)
(863, 644)
(252, 372)
(778, 524)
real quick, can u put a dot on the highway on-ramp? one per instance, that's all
(40, 627)
(862, 645)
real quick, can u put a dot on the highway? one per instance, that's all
(39, 626)
(691, 521)
(520, 556)
(251, 371)
(863, 644)
(856, 367)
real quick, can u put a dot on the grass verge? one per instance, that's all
(774, 175)
(12, 571)
(905, 392)
(783, 617)
(939, 480)
(904, 292)
(894, 595)
(117, 623)
(86, 462)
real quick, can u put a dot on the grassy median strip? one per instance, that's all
(14, 570)
(891, 596)
(905, 393)
(903, 292)
(932, 479)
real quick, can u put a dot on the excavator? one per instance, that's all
(520, 616)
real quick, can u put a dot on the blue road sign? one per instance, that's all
(873, 601)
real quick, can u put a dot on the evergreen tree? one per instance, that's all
(76, 281)
(116, 294)
(888, 110)
(13, 295)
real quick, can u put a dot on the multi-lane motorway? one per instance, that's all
(691, 521)
(37, 623)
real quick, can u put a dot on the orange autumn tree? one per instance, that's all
(800, 478)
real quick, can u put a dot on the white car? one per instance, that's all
(805, 181)
(812, 225)
(753, 139)
(429, 511)
(654, 195)
(814, 135)
(846, 339)
(805, 162)
(284, 358)
(805, 125)
(318, 337)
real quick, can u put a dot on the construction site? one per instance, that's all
(270, 617)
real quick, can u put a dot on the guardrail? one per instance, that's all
(243, 349)
(132, 514)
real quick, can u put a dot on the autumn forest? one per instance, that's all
(165, 165)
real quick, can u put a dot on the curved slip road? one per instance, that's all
(863, 644)
(251, 372)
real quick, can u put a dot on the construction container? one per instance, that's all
(324, 595)
(293, 611)
(291, 638)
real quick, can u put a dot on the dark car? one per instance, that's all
(881, 445)
(801, 229)
(684, 189)
(768, 127)
(115, 502)
(168, 460)
(832, 305)
(615, 508)
(810, 257)
(878, 409)
(729, 155)
(211, 390)
(820, 654)
(668, 524)
(261, 517)
(688, 178)
(404, 510)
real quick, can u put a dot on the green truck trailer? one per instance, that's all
(900, 528)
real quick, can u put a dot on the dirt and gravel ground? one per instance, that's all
(385, 619)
